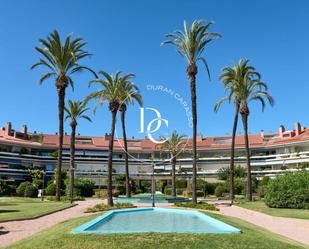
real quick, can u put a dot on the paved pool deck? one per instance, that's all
(295, 229)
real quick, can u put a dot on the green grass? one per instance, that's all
(260, 206)
(59, 237)
(20, 208)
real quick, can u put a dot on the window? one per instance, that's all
(83, 141)
(222, 140)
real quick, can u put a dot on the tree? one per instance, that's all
(61, 61)
(251, 88)
(111, 93)
(174, 144)
(232, 79)
(129, 94)
(191, 43)
(75, 110)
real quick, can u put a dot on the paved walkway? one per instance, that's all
(16, 230)
(295, 229)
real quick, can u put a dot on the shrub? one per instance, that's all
(200, 184)
(65, 198)
(104, 207)
(168, 191)
(38, 183)
(224, 173)
(188, 193)
(239, 186)
(180, 191)
(50, 189)
(20, 191)
(200, 205)
(265, 180)
(290, 190)
(31, 191)
(210, 187)
(102, 193)
(181, 183)
(220, 189)
(82, 187)
(5, 189)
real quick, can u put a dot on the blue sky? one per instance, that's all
(126, 36)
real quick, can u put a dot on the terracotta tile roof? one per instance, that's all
(214, 142)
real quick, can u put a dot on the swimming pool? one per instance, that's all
(163, 220)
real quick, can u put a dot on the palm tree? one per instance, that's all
(191, 43)
(111, 93)
(174, 144)
(62, 61)
(75, 110)
(129, 94)
(246, 88)
(232, 79)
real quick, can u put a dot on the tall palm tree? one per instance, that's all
(174, 144)
(75, 110)
(191, 43)
(111, 93)
(249, 88)
(253, 89)
(232, 79)
(129, 94)
(62, 61)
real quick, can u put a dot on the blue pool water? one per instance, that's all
(142, 220)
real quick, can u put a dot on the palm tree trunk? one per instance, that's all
(110, 161)
(249, 181)
(192, 71)
(72, 166)
(233, 154)
(126, 160)
(61, 97)
(174, 193)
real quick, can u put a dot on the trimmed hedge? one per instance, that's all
(290, 190)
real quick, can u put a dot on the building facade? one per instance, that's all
(270, 153)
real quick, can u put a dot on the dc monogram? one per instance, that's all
(149, 130)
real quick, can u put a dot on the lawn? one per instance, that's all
(18, 208)
(260, 206)
(59, 237)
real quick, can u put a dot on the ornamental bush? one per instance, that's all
(31, 191)
(220, 190)
(5, 189)
(20, 191)
(290, 190)
(51, 189)
(84, 187)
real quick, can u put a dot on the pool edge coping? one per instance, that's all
(227, 229)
